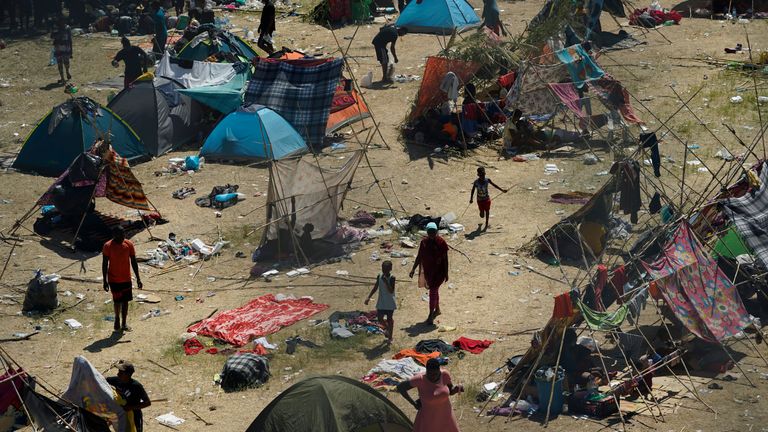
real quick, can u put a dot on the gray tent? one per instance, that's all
(330, 404)
(160, 115)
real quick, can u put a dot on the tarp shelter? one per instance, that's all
(330, 404)
(214, 42)
(301, 192)
(430, 95)
(89, 390)
(299, 90)
(193, 74)
(253, 133)
(163, 117)
(226, 97)
(70, 129)
(104, 170)
(438, 16)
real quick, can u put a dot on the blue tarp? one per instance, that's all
(438, 16)
(253, 133)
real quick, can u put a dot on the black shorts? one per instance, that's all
(382, 55)
(381, 313)
(121, 291)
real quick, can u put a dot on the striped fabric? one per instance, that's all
(122, 187)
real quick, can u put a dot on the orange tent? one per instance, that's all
(347, 107)
(430, 95)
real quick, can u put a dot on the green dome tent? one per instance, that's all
(331, 404)
(71, 129)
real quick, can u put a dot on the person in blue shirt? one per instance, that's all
(161, 30)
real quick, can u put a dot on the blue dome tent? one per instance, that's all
(71, 129)
(438, 16)
(253, 133)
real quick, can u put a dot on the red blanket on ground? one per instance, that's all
(472, 345)
(259, 317)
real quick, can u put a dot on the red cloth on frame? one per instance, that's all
(563, 306)
(602, 279)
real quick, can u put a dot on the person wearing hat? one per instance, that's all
(432, 261)
(433, 405)
(133, 393)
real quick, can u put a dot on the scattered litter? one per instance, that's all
(551, 169)
(513, 273)
(73, 323)
(601, 173)
(269, 273)
(342, 272)
(702, 170)
(694, 162)
(724, 154)
(298, 272)
(736, 99)
(169, 420)
(590, 159)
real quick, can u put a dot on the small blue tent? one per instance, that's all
(71, 129)
(438, 16)
(253, 133)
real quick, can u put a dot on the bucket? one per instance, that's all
(545, 388)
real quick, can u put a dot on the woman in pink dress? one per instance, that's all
(434, 406)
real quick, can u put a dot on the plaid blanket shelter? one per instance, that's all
(245, 370)
(749, 213)
(299, 90)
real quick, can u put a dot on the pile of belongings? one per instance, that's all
(193, 346)
(387, 374)
(190, 250)
(221, 197)
(354, 322)
(362, 219)
(41, 293)
(243, 371)
(652, 18)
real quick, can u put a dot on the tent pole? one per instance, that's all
(632, 366)
(615, 398)
(735, 363)
(554, 379)
(82, 219)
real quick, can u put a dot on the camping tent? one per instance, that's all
(215, 42)
(161, 116)
(193, 74)
(438, 16)
(253, 133)
(224, 97)
(347, 108)
(70, 129)
(330, 404)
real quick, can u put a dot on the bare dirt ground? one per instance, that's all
(482, 300)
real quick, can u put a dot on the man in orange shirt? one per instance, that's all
(119, 258)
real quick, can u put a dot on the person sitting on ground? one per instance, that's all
(135, 60)
(132, 392)
(386, 304)
(387, 36)
(577, 361)
(62, 47)
(267, 27)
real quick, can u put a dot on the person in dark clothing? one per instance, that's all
(161, 29)
(387, 35)
(577, 362)
(267, 27)
(135, 60)
(179, 6)
(401, 4)
(132, 392)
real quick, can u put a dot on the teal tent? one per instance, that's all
(331, 404)
(253, 133)
(225, 98)
(438, 16)
(71, 129)
(213, 42)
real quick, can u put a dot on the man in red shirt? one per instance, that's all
(119, 258)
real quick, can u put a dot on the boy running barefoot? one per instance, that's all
(483, 199)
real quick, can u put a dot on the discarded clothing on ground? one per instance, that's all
(435, 345)
(403, 369)
(183, 192)
(211, 201)
(242, 371)
(292, 343)
(472, 345)
(362, 219)
(353, 322)
(261, 316)
(419, 357)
